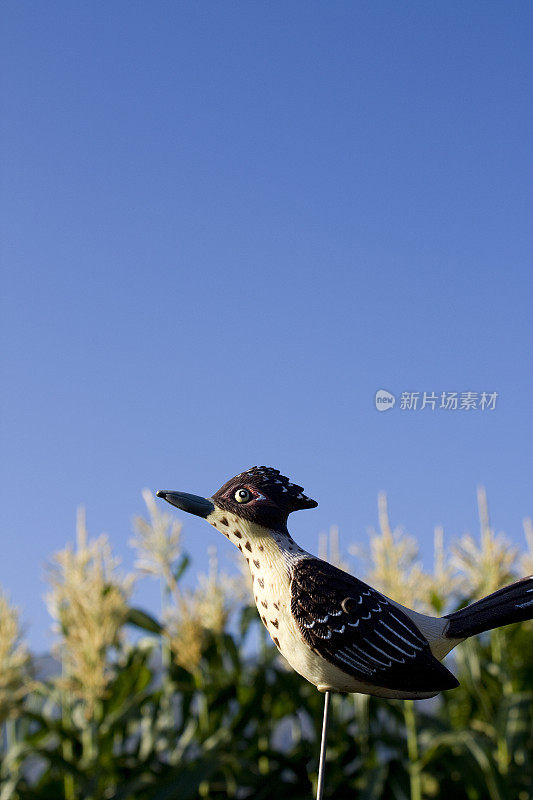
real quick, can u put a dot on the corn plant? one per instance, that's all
(198, 704)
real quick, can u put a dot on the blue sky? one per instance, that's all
(225, 226)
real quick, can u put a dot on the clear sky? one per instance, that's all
(224, 227)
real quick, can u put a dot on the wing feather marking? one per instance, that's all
(354, 662)
(396, 647)
(387, 655)
(399, 635)
(408, 629)
(371, 657)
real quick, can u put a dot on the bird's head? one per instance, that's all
(260, 496)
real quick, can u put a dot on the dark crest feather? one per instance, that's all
(279, 489)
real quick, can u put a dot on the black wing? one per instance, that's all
(358, 630)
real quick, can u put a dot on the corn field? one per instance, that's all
(198, 704)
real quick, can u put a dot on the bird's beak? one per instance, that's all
(191, 503)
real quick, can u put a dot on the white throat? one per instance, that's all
(272, 549)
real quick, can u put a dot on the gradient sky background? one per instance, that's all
(225, 226)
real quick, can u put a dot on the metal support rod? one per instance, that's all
(323, 743)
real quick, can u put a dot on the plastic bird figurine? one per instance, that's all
(336, 631)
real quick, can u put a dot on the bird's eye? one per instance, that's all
(242, 496)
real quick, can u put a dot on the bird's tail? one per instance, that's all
(513, 603)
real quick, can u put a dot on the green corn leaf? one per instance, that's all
(183, 565)
(141, 619)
